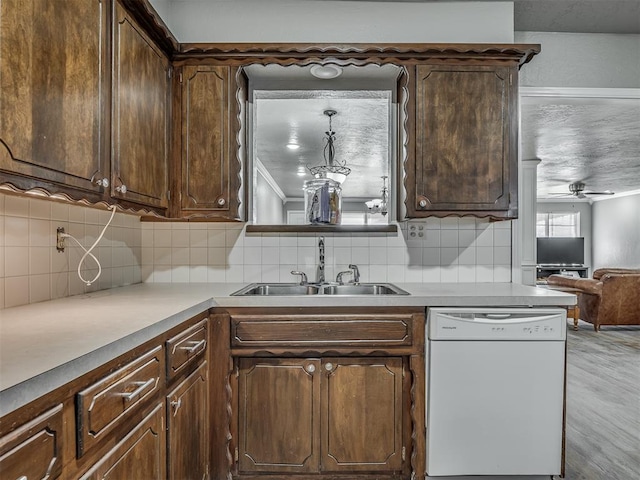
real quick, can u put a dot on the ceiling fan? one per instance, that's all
(577, 189)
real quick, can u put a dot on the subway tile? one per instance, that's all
(15, 206)
(179, 238)
(39, 209)
(395, 273)
(433, 223)
(16, 291)
(252, 255)
(377, 273)
(466, 223)
(161, 238)
(501, 256)
(342, 255)
(397, 256)
(161, 256)
(502, 273)
(484, 273)
(430, 256)
(270, 255)
(198, 238)
(450, 274)
(216, 274)
(216, 256)
(198, 257)
(306, 256)
(448, 256)
(449, 223)
(179, 256)
(502, 238)
(180, 274)
(217, 238)
(431, 274)
(16, 261)
(198, 274)
(484, 256)
(270, 240)
(467, 256)
(466, 273)
(360, 255)
(377, 256)
(16, 231)
(270, 273)
(162, 275)
(252, 273)
(466, 238)
(40, 261)
(449, 238)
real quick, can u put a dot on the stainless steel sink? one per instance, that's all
(274, 289)
(363, 289)
(284, 289)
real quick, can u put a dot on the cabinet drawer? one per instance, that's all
(106, 404)
(331, 329)
(34, 450)
(186, 349)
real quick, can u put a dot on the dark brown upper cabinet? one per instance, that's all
(465, 142)
(209, 166)
(53, 96)
(141, 115)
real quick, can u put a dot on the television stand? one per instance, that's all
(543, 271)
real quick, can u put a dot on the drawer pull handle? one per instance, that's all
(23, 477)
(194, 346)
(142, 386)
(176, 404)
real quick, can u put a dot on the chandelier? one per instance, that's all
(331, 168)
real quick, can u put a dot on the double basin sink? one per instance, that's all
(283, 289)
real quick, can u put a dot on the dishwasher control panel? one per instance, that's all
(496, 324)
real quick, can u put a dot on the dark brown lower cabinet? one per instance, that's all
(320, 415)
(188, 427)
(140, 454)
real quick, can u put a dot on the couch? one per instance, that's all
(611, 297)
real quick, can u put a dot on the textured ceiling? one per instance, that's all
(289, 105)
(594, 141)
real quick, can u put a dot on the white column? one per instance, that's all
(527, 220)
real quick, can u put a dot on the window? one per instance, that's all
(561, 224)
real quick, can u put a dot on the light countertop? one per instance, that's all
(45, 345)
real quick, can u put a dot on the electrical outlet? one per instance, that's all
(60, 239)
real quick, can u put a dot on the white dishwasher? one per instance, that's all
(495, 391)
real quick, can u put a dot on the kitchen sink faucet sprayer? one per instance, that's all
(320, 273)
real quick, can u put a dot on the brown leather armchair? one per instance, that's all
(611, 297)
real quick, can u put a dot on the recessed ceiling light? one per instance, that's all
(293, 146)
(326, 72)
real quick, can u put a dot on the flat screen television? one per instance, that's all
(560, 250)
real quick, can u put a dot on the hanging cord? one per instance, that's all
(87, 253)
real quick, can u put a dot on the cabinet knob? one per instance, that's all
(121, 189)
(310, 368)
(221, 202)
(102, 182)
(175, 404)
(328, 366)
(422, 203)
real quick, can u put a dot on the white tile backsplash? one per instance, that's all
(440, 250)
(32, 270)
(432, 250)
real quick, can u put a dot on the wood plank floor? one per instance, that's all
(603, 403)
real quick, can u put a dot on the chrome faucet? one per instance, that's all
(320, 273)
(356, 273)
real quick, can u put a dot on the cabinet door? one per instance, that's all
(278, 414)
(34, 450)
(362, 415)
(210, 167)
(466, 161)
(52, 95)
(188, 427)
(141, 451)
(140, 149)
